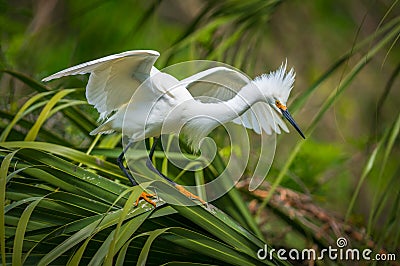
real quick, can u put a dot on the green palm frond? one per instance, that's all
(55, 205)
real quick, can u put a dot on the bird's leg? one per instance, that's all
(144, 195)
(149, 162)
(180, 188)
(189, 194)
(120, 162)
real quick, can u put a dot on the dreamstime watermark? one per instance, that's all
(212, 84)
(339, 253)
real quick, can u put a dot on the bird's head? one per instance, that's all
(276, 87)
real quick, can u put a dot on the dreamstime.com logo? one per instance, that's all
(338, 253)
(176, 113)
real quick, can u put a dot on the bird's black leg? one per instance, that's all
(120, 163)
(150, 165)
(144, 195)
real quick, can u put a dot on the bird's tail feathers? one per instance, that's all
(105, 128)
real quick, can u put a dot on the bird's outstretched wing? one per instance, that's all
(114, 78)
(222, 84)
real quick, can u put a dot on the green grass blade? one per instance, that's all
(199, 179)
(233, 203)
(126, 232)
(84, 122)
(209, 247)
(69, 103)
(116, 233)
(5, 164)
(20, 113)
(75, 239)
(44, 115)
(367, 169)
(27, 80)
(122, 253)
(69, 153)
(25, 125)
(369, 166)
(76, 258)
(146, 248)
(378, 205)
(70, 177)
(20, 232)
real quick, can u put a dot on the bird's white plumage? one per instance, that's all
(113, 79)
(116, 78)
(278, 83)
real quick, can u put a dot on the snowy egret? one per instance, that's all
(116, 78)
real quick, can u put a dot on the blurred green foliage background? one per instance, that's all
(333, 166)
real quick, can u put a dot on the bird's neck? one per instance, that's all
(226, 111)
(244, 99)
(206, 116)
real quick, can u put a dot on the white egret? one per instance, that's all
(114, 80)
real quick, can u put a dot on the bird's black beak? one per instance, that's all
(287, 115)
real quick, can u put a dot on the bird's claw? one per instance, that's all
(146, 196)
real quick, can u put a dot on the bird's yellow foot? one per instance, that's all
(146, 196)
(188, 194)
